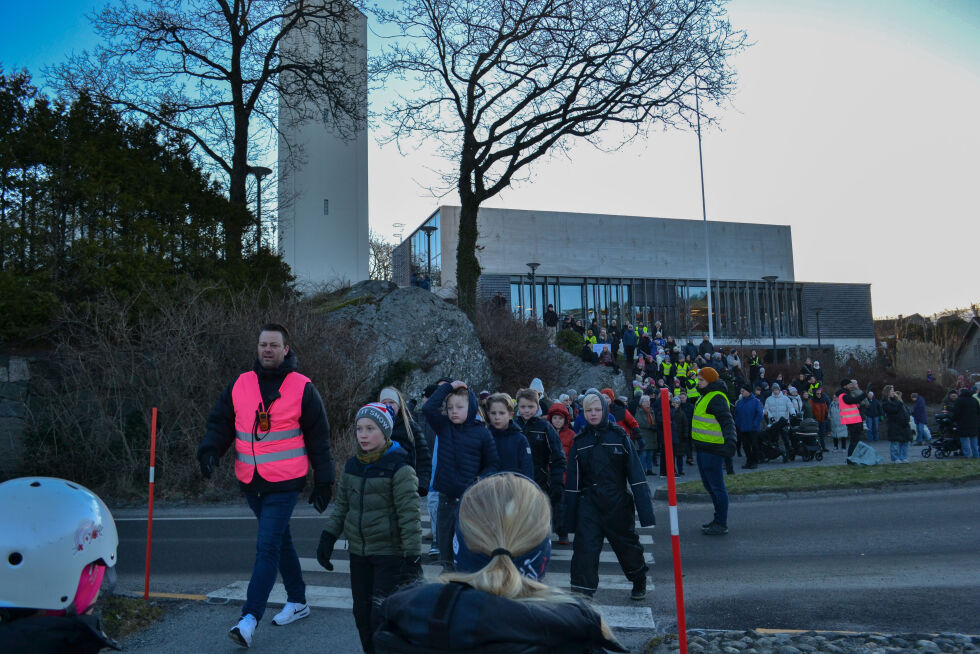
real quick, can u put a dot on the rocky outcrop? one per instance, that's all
(575, 373)
(417, 337)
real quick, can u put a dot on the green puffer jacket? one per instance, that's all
(377, 506)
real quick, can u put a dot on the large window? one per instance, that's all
(426, 254)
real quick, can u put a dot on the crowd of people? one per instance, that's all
(501, 477)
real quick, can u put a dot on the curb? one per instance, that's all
(661, 493)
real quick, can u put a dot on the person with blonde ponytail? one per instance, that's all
(496, 600)
(409, 435)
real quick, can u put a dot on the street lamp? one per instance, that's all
(771, 284)
(817, 311)
(704, 216)
(533, 266)
(428, 229)
(259, 172)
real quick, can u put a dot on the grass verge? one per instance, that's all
(844, 477)
(122, 616)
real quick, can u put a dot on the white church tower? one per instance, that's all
(323, 193)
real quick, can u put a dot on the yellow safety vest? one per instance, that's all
(704, 426)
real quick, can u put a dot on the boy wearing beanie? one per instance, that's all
(377, 509)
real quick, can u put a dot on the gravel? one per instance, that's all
(751, 642)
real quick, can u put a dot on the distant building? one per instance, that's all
(640, 269)
(323, 198)
(967, 354)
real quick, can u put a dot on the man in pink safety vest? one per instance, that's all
(275, 419)
(850, 414)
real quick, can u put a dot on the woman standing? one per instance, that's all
(648, 434)
(409, 435)
(897, 423)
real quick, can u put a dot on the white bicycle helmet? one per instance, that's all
(52, 532)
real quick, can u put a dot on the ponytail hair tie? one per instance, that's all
(500, 550)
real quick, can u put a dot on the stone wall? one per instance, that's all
(15, 377)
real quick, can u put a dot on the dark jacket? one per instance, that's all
(748, 414)
(220, 435)
(874, 410)
(678, 428)
(896, 421)
(417, 450)
(377, 506)
(549, 456)
(513, 450)
(706, 348)
(551, 318)
(719, 407)
(629, 338)
(602, 466)
(479, 622)
(919, 411)
(966, 415)
(51, 634)
(465, 452)
(690, 350)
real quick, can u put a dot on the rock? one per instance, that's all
(414, 334)
(927, 646)
(575, 373)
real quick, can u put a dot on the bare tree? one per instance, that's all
(381, 257)
(217, 72)
(501, 83)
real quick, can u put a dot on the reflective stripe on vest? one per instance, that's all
(704, 426)
(850, 414)
(280, 453)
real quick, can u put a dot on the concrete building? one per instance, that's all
(323, 193)
(638, 269)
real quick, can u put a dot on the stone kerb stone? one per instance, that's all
(413, 326)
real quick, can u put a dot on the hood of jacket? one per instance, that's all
(558, 409)
(511, 428)
(604, 423)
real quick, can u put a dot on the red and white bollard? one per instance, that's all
(675, 539)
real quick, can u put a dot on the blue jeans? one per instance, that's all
(432, 504)
(968, 443)
(920, 433)
(712, 469)
(274, 552)
(646, 459)
(873, 428)
(899, 451)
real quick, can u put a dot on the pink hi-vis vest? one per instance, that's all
(280, 453)
(849, 413)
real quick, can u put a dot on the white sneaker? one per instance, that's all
(242, 632)
(291, 613)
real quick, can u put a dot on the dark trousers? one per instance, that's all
(630, 353)
(854, 432)
(615, 524)
(274, 552)
(713, 479)
(446, 528)
(372, 578)
(749, 439)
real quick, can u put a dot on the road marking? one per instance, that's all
(645, 539)
(330, 597)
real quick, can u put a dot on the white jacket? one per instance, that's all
(779, 406)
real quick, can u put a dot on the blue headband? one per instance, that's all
(531, 564)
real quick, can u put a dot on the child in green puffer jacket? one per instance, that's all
(377, 509)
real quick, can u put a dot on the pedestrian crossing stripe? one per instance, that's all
(645, 539)
(330, 597)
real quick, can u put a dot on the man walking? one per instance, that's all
(550, 320)
(713, 434)
(848, 403)
(748, 423)
(276, 419)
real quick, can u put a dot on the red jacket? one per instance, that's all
(567, 434)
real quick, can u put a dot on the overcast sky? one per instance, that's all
(855, 122)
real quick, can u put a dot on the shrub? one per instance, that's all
(570, 341)
(90, 420)
(518, 351)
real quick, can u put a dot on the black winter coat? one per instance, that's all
(513, 450)
(549, 457)
(481, 623)
(50, 634)
(966, 415)
(220, 435)
(604, 467)
(464, 452)
(896, 421)
(417, 449)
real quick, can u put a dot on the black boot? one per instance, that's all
(639, 588)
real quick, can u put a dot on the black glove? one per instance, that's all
(209, 461)
(556, 494)
(320, 497)
(325, 550)
(423, 491)
(412, 567)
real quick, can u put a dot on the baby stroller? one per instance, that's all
(804, 439)
(945, 443)
(769, 447)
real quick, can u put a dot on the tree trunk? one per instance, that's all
(234, 224)
(467, 265)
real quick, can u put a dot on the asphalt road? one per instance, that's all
(890, 562)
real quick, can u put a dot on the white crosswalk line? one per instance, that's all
(645, 539)
(329, 597)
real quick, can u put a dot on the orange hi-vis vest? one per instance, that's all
(279, 453)
(849, 413)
